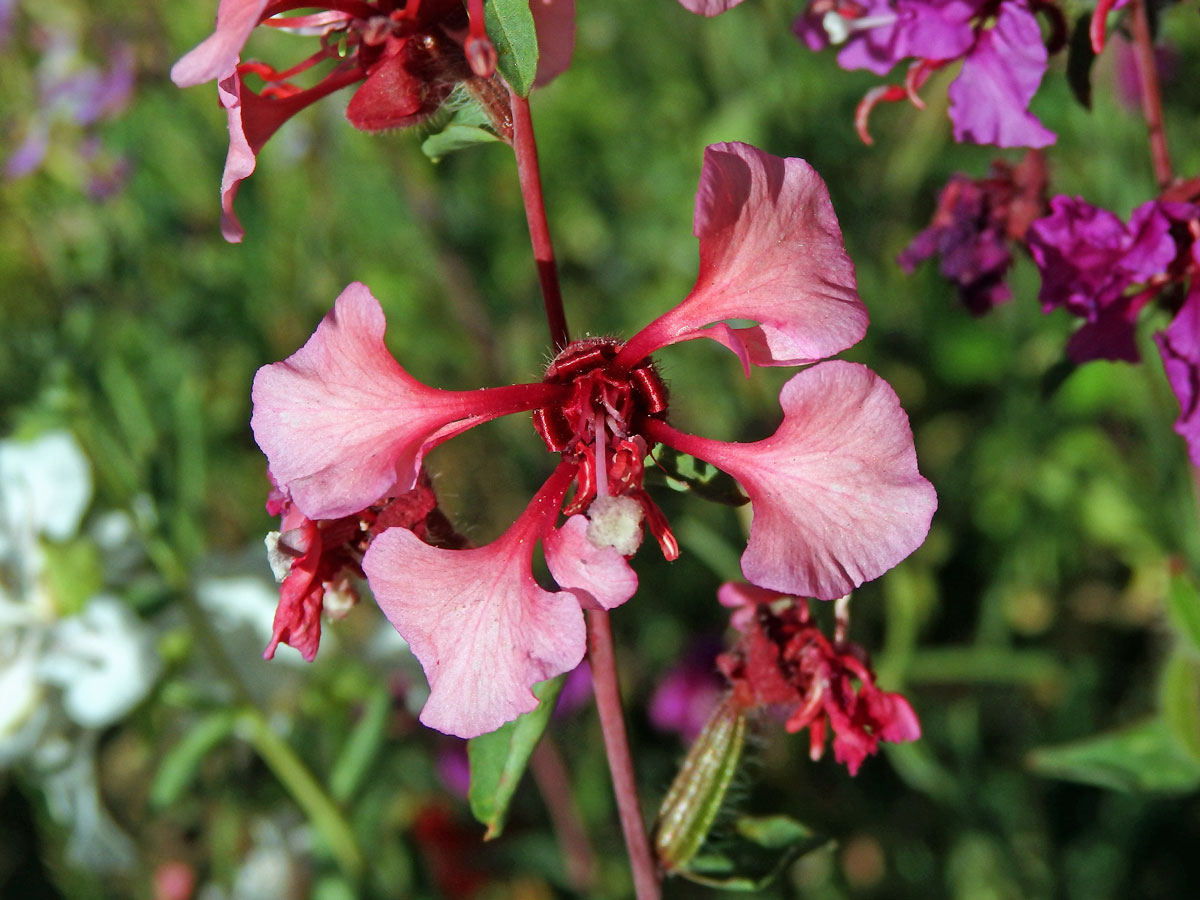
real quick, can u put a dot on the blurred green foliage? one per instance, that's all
(1046, 633)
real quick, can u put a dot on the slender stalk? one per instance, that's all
(1143, 45)
(616, 745)
(554, 784)
(304, 789)
(525, 146)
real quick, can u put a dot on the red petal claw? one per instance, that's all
(886, 93)
(1099, 28)
(657, 522)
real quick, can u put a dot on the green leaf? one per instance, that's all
(361, 747)
(1179, 701)
(468, 127)
(498, 760)
(1183, 609)
(510, 26)
(1080, 57)
(1144, 757)
(179, 766)
(686, 473)
(758, 849)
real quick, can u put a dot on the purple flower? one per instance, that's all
(999, 43)
(1089, 259)
(688, 692)
(1179, 345)
(73, 93)
(973, 225)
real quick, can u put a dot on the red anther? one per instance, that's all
(585, 487)
(650, 388)
(657, 522)
(627, 469)
(554, 428)
(580, 356)
(1099, 27)
(885, 93)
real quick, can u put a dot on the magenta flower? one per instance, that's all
(1179, 345)
(1089, 260)
(688, 692)
(999, 43)
(836, 494)
(408, 54)
(784, 662)
(973, 226)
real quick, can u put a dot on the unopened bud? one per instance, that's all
(695, 797)
(481, 56)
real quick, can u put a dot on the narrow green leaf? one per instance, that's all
(510, 26)
(498, 760)
(759, 848)
(1179, 700)
(129, 407)
(1183, 609)
(1080, 57)
(1144, 757)
(179, 766)
(361, 747)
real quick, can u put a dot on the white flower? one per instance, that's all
(103, 659)
(45, 488)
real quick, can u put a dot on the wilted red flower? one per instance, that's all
(784, 661)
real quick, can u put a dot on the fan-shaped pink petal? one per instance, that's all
(708, 7)
(239, 162)
(836, 494)
(483, 630)
(215, 57)
(771, 251)
(342, 424)
(599, 576)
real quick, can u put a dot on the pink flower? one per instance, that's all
(783, 661)
(836, 493)
(408, 54)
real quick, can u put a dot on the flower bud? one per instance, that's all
(695, 797)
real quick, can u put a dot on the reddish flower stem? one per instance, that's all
(616, 745)
(1143, 44)
(525, 146)
(554, 784)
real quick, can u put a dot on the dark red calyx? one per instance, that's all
(607, 407)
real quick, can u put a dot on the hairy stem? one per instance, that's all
(525, 146)
(1151, 95)
(616, 745)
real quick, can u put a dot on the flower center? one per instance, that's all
(598, 426)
